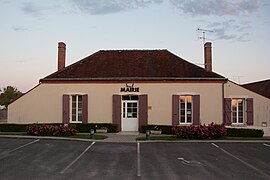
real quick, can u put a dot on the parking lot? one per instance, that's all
(59, 159)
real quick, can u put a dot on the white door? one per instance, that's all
(129, 115)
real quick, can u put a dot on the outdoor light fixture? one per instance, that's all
(147, 135)
(92, 133)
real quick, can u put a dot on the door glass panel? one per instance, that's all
(132, 110)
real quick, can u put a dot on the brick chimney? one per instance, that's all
(208, 56)
(61, 55)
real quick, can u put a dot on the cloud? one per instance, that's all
(33, 9)
(230, 30)
(19, 28)
(99, 7)
(217, 7)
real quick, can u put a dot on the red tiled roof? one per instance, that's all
(133, 65)
(260, 87)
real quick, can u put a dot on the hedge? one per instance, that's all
(237, 132)
(165, 128)
(82, 128)
(85, 128)
(13, 127)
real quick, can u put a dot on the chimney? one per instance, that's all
(61, 55)
(208, 56)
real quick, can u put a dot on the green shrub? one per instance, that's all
(85, 128)
(82, 128)
(164, 128)
(13, 127)
(235, 132)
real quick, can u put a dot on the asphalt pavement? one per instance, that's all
(33, 159)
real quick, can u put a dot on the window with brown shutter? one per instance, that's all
(75, 108)
(185, 109)
(238, 111)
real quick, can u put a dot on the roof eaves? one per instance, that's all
(132, 78)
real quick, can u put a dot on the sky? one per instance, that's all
(31, 29)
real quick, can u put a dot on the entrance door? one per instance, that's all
(129, 115)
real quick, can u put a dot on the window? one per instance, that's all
(185, 107)
(76, 108)
(238, 111)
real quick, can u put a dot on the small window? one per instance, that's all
(238, 111)
(76, 109)
(130, 97)
(185, 108)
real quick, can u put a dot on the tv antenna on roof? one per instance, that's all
(203, 37)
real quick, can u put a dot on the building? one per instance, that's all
(260, 87)
(137, 87)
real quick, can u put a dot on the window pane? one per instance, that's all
(73, 98)
(182, 99)
(188, 105)
(234, 117)
(188, 118)
(189, 99)
(134, 98)
(240, 119)
(80, 98)
(234, 104)
(182, 119)
(80, 118)
(73, 117)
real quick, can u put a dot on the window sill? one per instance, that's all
(238, 125)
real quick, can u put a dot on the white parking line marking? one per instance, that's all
(245, 163)
(266, 145)
(215, 145)
(75, 160)
(22, 146)
(138, 160)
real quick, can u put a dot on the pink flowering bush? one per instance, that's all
(51, 130)
(210, 131)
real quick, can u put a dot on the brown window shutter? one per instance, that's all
(227, 111)
(249, 111)
(143, 110)
(196, 109)
(116, 116)
(65, 109)
(175, 110)
(85, 109)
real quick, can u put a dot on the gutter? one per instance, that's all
(133, 78)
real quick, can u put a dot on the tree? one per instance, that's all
(9, 94)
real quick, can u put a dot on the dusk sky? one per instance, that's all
(31, 29)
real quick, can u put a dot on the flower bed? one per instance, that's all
(51, 130)
(211, 131)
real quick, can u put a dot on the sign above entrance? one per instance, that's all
(130, 88)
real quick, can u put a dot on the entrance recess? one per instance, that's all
(129, 113)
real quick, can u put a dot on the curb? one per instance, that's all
(146, 141)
